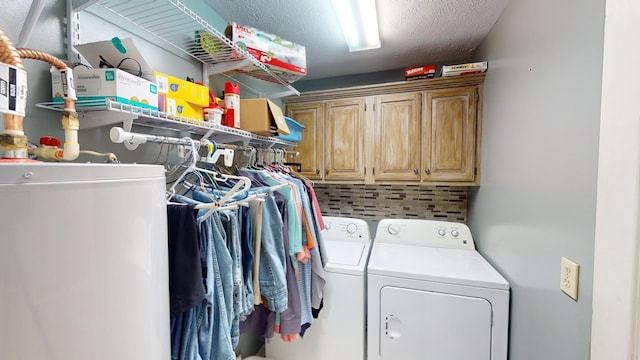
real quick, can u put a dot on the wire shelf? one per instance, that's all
(183, 29)
(157, 119)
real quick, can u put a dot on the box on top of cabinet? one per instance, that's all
(262, 117)
(464, 69)
(108, 83)
(420, 72)
(176, 88)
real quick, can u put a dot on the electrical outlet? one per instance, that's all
(569, 272)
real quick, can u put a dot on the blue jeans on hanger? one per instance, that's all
(184, 335)
(273, 283)
(221, 345)
(230, 222)
(204, 332)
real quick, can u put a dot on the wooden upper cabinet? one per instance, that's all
(344, 140)
(431, 127)
(397, 135)
(311, 144)
(449, 135)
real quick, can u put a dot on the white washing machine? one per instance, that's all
(433, 296)
(339, 331)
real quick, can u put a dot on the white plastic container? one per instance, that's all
(83, 262)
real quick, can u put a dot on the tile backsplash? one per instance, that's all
(376, 202)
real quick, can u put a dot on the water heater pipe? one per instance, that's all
(70, 122)
(13, 142)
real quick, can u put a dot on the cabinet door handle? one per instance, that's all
(416, 171)
(317, 171)
(428, 171)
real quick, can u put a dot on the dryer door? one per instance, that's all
(418, 324)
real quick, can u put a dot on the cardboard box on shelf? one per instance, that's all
(181, 89)
(179, 107)
(262, 117)
(420, 72)
(282, 56)
(114, 84)
(464, 69)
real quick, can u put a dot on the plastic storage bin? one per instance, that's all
(295, 129)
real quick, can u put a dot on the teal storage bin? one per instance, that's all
(295, 130)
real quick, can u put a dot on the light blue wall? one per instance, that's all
(537, 198)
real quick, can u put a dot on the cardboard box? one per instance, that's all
(262, 117)
(182, 89)
(13, 90)
(100, 84)
(114, 52)
(179, 107)
(420, 72)
(464, 69)
(285, 58)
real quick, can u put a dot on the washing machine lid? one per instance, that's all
(347, 257)
(453, 266)
(347, 242)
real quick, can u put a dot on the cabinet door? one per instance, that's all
(310, 145)
(344, 140)
(397, 146)
(449, 129)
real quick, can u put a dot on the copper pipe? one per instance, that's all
(25, 53)
(43, 56)
(8, 53)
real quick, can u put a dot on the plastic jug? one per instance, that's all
(232, 103)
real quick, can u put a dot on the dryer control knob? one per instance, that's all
(393, 229)
(455, 233)
(442, 232)
(352, 228)
(327, 226)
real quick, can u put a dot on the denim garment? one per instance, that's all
(221, 344)
(205, 329)
(230, 222)
(273, 283)
(184, 332)
(256, 218)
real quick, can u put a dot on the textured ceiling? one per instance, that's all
(412, 32)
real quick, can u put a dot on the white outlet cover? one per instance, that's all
(569, 273)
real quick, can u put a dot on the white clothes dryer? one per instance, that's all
(339, 331)
(431, 295)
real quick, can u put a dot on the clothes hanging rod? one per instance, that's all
(119, 135)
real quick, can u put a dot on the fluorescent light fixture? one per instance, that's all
(359, 22)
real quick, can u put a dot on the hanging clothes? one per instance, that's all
(260, 256)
